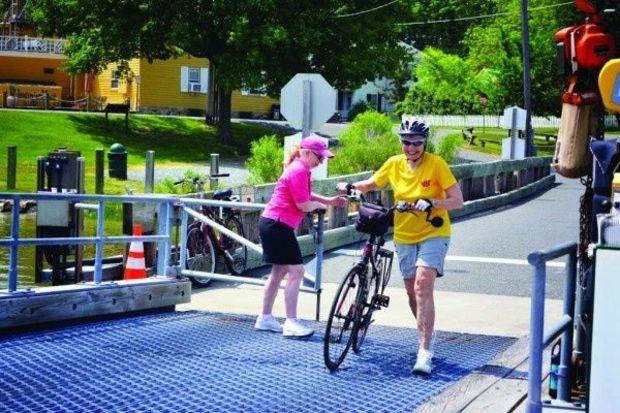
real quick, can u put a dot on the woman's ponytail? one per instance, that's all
(295, 152)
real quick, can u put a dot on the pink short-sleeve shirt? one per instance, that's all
(292, 188)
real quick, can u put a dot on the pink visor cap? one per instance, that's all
(317, 144)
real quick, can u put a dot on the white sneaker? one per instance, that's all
(294, 328)
(424, 362)
(267, 322)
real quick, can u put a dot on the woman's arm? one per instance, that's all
(453, 199)
(310, 206)
(339, 201)
(362, 186)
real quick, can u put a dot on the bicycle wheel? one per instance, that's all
(369, 308)
(201, 255)
(343, 319)
(236, 252)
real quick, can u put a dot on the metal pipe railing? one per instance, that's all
(538, 339)
(13, 242)
(316, 279)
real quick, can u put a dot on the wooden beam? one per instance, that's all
(42, 305)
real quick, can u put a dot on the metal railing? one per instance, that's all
(25, 44)
(187, 210)
(539, 339)
(163, 236)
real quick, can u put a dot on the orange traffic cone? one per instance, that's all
(135, 266)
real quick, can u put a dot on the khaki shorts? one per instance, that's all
(430, 253)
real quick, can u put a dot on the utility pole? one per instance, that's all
(527, 86)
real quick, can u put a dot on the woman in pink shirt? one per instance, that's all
(292, 198)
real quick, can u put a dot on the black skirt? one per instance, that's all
(279, 243)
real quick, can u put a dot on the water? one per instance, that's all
(26, 255)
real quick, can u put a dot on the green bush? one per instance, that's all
(449, 147)
(365, 144)
(266, 160)
(357, 108)
(167, 185)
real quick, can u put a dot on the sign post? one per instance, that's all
(307, 102)
(514, 120)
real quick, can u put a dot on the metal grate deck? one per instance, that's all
(211, 362)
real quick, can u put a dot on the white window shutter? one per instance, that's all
(184, 79)
(204, 79)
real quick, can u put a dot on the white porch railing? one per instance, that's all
(35, 45)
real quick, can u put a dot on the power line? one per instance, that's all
(482, 16)
(340, 16)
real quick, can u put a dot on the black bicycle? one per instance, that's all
(206, 244)
(361, 292)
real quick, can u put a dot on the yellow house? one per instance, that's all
(32, 74)
(31, 71)
(173, 86)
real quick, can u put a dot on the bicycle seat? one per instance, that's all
(222, 195)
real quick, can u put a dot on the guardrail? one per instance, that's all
(539, 339)
(187, 210)
(163, 237)
(38, 45)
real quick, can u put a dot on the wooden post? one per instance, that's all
(149, 181)
(11, 167)
(99, 170)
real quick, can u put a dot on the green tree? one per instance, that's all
(249, 42)
(447, 32)
(497, 46)
(445, 84)
(492, 64)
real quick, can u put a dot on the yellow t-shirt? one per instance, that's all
(429, 180)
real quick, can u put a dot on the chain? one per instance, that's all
(585, 223)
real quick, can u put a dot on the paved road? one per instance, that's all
(488, 251)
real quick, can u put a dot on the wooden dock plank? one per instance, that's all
(46, 304)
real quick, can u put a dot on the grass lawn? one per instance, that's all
(494, 136)
(174, 140)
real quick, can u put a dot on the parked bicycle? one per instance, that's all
(362, 291)
(205, 244)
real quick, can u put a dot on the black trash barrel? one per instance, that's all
(117, 162)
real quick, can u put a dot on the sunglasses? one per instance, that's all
(414, 143)
(319, 157)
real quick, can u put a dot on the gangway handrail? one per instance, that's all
(539, 339)
(187, 211)
(14, 241)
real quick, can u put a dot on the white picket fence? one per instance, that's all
(494, 120)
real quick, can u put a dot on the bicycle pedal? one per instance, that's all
(382, 300)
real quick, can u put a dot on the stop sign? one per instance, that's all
(322, 100)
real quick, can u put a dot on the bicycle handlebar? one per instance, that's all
(400, 206)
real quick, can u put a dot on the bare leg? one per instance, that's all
(291, 291)
(271, 287)
(410, 288)
(424, 284)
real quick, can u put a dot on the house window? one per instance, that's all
(114, 79)
(194, 74)
(194, 79)
(373, 100)
(48, 70)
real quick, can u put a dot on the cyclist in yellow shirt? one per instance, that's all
(424, 179)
